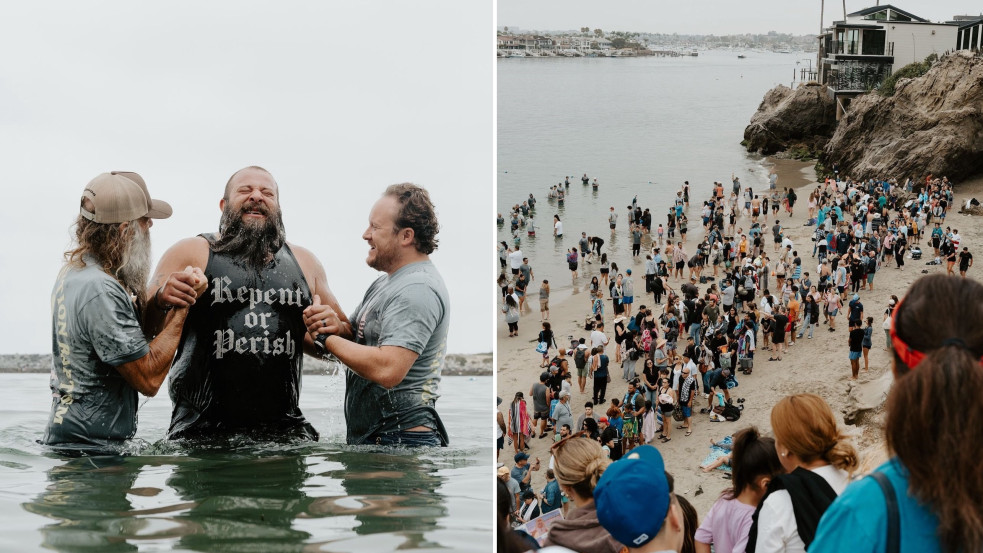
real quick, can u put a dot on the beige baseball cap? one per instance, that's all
(121, 196)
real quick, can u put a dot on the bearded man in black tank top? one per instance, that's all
(238, 367)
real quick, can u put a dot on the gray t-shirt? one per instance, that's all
(727, 295)
(539, 403)
(95, 328)
(410, 309)
(526, 270)
(563, 415)
(514, 488)
(660, 358)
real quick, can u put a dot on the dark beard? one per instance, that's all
(253, 243)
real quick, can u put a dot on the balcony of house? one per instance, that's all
(842, 49)
(852, 76)
(867, 43)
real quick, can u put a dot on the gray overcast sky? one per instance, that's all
(337, 100)
(717, 17)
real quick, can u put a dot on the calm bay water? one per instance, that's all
(641, 126)
(253, 497)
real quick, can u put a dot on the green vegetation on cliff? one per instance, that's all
(910, 71)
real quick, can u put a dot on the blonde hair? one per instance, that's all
(805, 425)
(579, 464)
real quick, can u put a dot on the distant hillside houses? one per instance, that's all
(511, 45)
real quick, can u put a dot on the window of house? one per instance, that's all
(873, 42)
(852, 41)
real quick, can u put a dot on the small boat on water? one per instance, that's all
(741, 56)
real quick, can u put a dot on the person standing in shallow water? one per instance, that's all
(239, 365)
(101, 356)
(397, 351)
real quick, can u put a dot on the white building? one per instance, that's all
(857, 54)
(970, 35)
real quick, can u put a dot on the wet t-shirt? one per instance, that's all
(95, 328)
(237, 370)
(409, 309)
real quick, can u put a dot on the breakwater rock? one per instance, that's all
(932, 124)
(802, 117)
(455, 364)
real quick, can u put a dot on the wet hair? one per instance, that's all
(752, 457)
(579, 464)
(416, 212)
(933, 415)
(804, 423)
(104, 241)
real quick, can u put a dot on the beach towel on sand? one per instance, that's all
(717, 452)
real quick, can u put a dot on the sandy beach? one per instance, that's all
(819, 365)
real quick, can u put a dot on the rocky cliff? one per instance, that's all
(932, 124)
(805, 116)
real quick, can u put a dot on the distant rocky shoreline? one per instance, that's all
(456, 364)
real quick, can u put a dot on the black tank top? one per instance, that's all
(238, 365)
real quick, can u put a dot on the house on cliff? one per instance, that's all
(970, 35)
(857, 54)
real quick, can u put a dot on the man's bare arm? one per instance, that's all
(171, 286)
(384, 365)
(317, 281)
(147, 373)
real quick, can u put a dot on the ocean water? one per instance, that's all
(252, 497)
(641, 126)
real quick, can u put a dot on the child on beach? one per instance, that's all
(754, 462)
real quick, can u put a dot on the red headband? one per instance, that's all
(908, 355)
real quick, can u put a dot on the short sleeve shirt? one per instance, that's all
(410, 309)
(95, 328)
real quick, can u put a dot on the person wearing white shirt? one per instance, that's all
(597, 336)
(818, 460)
(515, 260)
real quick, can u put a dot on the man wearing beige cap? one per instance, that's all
(101, 357)
(238, 367)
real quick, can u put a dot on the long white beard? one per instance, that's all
(135, 270)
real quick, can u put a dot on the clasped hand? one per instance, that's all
(182, 288)
(321, 319)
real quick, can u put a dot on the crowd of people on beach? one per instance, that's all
(713, 315)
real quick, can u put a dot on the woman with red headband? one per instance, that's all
(927, 497)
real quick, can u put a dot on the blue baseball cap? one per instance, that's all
(632, 496)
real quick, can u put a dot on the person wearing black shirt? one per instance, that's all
(779, 322)
(965, 261)
(856, 340)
